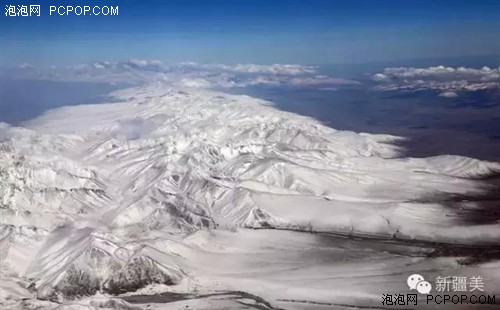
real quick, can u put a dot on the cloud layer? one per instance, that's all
(275, 69)
(447, 81)
(190, 74)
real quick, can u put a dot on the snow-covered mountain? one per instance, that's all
(162, 189)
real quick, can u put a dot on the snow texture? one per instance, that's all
(161, 190)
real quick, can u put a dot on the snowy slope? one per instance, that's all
(114, 197)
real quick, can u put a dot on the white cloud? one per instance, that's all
(484, 74)
(277, 69)
(142, 64)
(243, 75)
(380, 77)
(25, 66)
(195, 83)
(320, 80)
(193, 75)
(446, 80)
(274, 69)
(448, 94)
(101, 65)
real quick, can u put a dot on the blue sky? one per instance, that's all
(281, 31)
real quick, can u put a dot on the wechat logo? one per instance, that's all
(417, 282)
